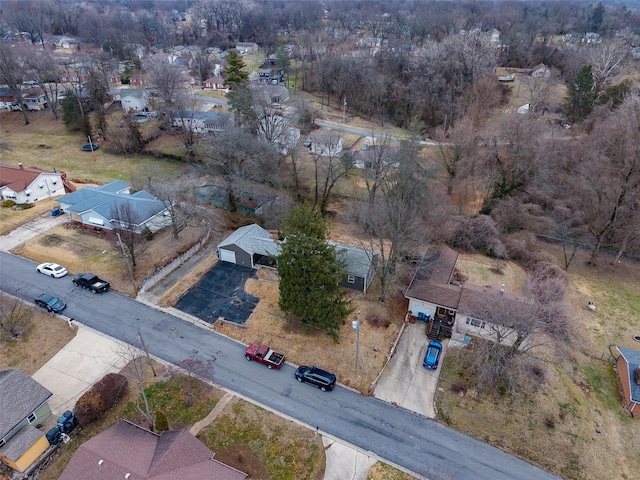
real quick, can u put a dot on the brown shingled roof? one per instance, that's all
(430, 283)
(126, 448)
(18, 178)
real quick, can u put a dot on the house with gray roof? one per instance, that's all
(253, 246)
(628, 367)
(96, 207)
(128, 451)
(23, 403)
(202, 122)
(134, 100)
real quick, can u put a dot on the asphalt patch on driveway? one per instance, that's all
(221, 293)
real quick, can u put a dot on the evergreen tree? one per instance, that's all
(234, 72)
(311, 272)
(580, 95)
(72, 116)
(162, 424)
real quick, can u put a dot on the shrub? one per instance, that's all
(102, 396)
(89, 407)
(457, 387)
(377, 320)
(23, 206)
(8, 203)
(111, 387)
(475, 235)
(162, 423)
(147, 234)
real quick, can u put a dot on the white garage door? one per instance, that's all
(227, 255)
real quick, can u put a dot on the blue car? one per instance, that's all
(50, 303)
(432, 357)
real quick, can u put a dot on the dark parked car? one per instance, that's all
(316, 376)
(432, 357)
(51, 303)
(90, 282)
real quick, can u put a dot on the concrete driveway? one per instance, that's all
(405, 381)
(29, 230)
(81, 362)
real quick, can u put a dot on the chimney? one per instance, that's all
(21, 166)
(638, 376)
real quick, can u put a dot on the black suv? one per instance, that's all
(316, 376)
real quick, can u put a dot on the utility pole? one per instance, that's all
(344, 110)
(356, 326)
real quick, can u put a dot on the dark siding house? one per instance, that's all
(252, 246)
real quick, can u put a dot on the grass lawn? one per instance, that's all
(264, 445)
(45, 143)
(45, 336)
(574, 425)
(82, 250)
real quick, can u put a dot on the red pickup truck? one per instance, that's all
(263, 354)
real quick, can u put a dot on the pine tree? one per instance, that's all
(162, 424)
(311, 272)
(580, 95)
(234, 72)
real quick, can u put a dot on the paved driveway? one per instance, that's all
(83, 361)
(405, 381)
(221, 294)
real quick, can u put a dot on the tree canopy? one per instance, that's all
(234, 72)
(311, 272)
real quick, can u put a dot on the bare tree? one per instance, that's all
(203, 65)
(379, 163)
(189, 124)
(12, 73)
(166, 78)
(15, 317)
(330, 165)
(44, 70)
(455, 146)
(607, 59)
(394, 221)
(126, 224)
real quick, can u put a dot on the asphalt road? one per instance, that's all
(393, 434)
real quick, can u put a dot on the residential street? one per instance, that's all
(393, 434)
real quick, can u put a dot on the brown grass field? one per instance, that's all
(46, 335)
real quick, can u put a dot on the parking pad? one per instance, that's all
(221, 293)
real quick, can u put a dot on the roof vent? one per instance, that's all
(21, 166)
(100, 462)
(127, 475)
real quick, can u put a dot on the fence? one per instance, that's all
(159, 274)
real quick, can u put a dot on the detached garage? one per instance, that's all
(249, 246)
(252, 246)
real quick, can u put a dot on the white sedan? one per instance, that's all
(52, 269)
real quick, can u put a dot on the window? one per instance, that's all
(351, 279)
(474, 322)
(1, 442)
(32, 418)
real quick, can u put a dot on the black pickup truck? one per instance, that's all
(90, 282)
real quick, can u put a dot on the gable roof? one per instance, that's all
(20, 395)
(251, 238)
(357, 260)
(255, 239)
(22, 441)
(632, 357)
(430, 283)
(103, 199)
(126, 448)
(18, 178)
